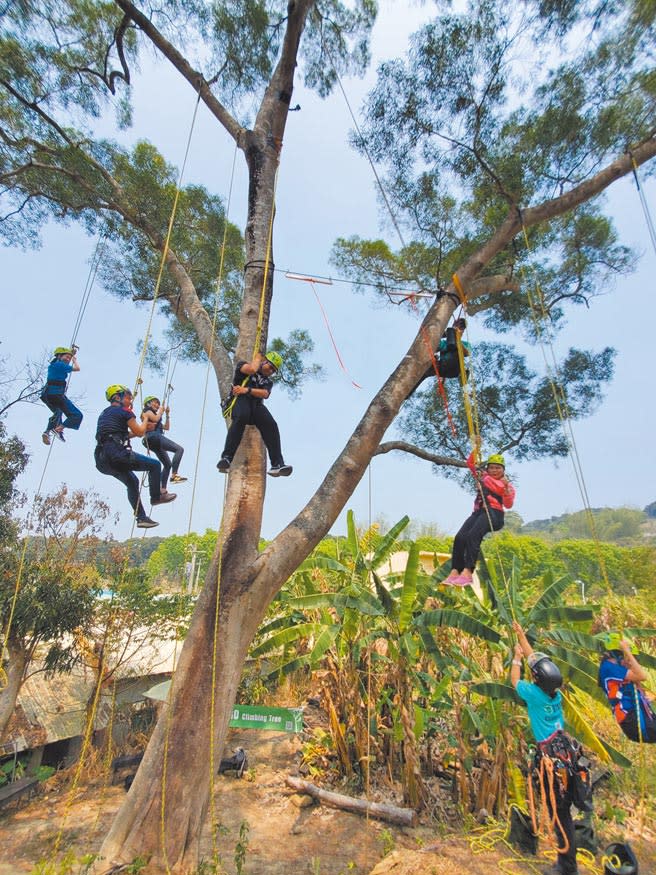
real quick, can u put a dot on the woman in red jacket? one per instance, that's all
(495, 493)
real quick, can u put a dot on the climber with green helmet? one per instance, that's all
(495, 493)
(114, 455)
(621, 677)
(158, 420)
(53, 394)
(252, 385)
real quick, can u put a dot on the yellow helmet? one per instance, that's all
(496, 459)
(275, 359)
(612, 641)
(63, 350)
(115, 389)
(149, 398)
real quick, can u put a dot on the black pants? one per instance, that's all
(249, 411)
(162, 446)
(119, 462)
(467, 542)
(564, 832)
(61, 407)
(630, 728)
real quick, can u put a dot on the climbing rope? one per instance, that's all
(88, 286)
(217, 298)
(651, 228)
(540, 316)
(165, 249)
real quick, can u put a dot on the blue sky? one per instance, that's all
(325, 190)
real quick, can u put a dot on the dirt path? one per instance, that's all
(282, 838)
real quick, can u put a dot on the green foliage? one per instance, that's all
(618, 525)
(13, 459)
(625, 567)
(241, 848)
(517, 410)
(168, 562)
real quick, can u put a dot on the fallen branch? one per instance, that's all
(389, 813)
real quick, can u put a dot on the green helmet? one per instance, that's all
(115, 389)
(150, 398)
(496, 459)
(63, 350)
(275, 359)
(613, 641)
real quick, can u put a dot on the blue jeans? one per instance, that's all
(62, 407)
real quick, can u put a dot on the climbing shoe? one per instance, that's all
(164, 498)
(461, 580)
(223, 465)
(176, 478)
(146, 523)
(45, 437)
(280, 470)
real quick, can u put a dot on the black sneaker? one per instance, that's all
(223, 465)
(164, 498)
(146, 523)
(280, 470)
(59, 434)
(178, 478)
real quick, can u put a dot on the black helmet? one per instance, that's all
(546, 673)
(619, 859)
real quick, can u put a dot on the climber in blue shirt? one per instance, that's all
(53, 395)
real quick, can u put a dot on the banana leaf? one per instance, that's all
(577, 639)
(285, 636)
(409, 592)
(388, 543)
(496, 690)
(581, 729)
(323, 643)
(326, 562)
(564, 614)
(384, 596)
(551, 596)
(458, 620)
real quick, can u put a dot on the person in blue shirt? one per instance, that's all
(53, 395)
(252, 385)
(544, 702)
(621, 677)
(114, 456)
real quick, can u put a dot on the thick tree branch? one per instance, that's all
(314, 521)
(492, 285)
(405, 447)
(194, 77)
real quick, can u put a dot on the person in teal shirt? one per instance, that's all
(544, 702)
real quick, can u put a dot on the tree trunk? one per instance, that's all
(15, 671)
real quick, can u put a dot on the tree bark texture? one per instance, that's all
(15, 671)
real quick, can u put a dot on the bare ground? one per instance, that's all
(282, 839)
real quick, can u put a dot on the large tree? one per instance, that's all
(61, 62)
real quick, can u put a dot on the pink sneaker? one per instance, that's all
(461, 580)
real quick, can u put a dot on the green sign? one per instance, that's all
(263, 717)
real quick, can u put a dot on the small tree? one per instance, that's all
(46, 593)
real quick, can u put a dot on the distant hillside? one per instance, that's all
(618, 525)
